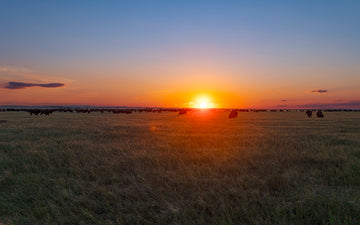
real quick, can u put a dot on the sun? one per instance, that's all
(203, 102)
(203, 105)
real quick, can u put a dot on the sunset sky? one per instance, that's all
(236, 54)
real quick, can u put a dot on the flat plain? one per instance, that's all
(165, 168)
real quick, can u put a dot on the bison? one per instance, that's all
(309, 113)
(319, 114)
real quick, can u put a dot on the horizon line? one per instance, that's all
(312, 106)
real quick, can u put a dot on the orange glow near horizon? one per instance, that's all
(202, 99)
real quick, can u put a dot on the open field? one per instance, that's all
(165, 168)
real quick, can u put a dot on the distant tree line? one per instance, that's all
(180, 111)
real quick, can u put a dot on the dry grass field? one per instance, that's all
(165, 168)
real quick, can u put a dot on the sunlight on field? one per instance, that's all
(165, 168)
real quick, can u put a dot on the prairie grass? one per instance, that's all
(164, 168)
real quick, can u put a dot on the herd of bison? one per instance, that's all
(180, 111)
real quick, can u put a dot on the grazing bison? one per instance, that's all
(233, 114)
(319, 114)
(309, 113)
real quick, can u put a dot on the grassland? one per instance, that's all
(164, 168)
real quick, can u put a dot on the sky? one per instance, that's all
(232, 54)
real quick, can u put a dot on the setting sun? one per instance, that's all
(203, 102)
(203, 105)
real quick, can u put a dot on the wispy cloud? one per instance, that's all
(13, 69)
(320, 91)
(22, 85)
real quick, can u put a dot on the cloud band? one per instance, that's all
(22, 85)
(319, 91)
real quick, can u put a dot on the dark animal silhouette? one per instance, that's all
(319, 114)
(233, 114)
(309, 113)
